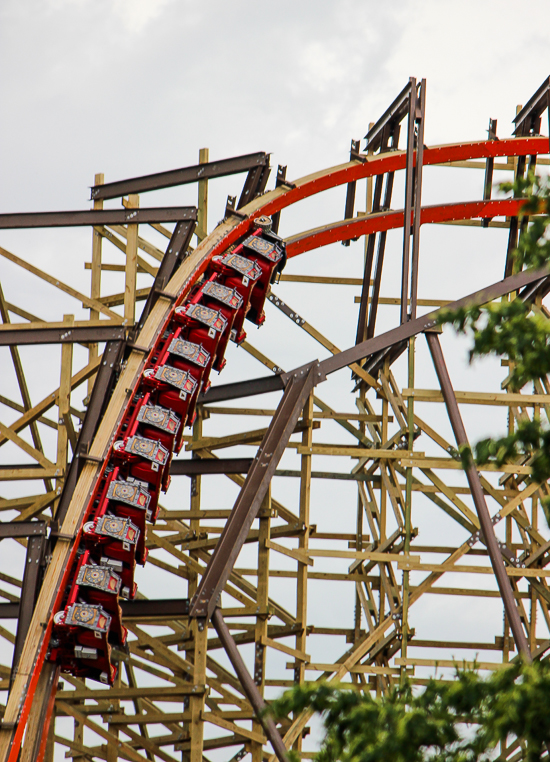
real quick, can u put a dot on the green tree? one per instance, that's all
(519, 331)
(461, 720)
(464, 720)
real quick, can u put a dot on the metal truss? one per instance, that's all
(243, 582)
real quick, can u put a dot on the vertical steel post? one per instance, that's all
(249, 686)
(479, 498)
(95, 288)
(408, 202)
(420, 110)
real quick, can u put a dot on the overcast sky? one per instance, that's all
(134, 86)
(129, 87)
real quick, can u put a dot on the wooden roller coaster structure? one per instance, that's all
(186, 674)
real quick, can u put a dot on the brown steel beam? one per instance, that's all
(377, 346)
(173, 257)
(29, 592)
(419, 117)
(299, 385)
(249, 686)
(69, 335)
(240, 389)
(145, 609)
(217, 466)
(181, 176)
(9, 610)
(97, 217)
(394, 114)
(255, 183)
(137, 608)
(528, 119)
(413, 327)
(349, 208)
(386, 129)
(380, 251)
(489, 167)
(99, 398)
(22, 528)
(478, 497)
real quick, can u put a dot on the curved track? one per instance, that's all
(175, 293)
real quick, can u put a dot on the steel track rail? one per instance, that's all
(33, 656)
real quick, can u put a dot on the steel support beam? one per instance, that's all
(135, 609)
(489, 167)
(173, 257)
(99, 398)
(414, 327)
(478, 497)
(66, 335)
(29, 591)
(97, 217)
(216, 466)
(528, 120)
(240, 389)
(249, 686)
(246, 507)
(22, 528)
(182, 176)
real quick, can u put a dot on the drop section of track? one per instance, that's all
(136, 469)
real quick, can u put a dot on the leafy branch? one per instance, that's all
(512, 329)
(456, 721)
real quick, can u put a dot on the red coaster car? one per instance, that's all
(229, 302)
(79, 642)
(267, 256)
(113, 539)
(240, 274)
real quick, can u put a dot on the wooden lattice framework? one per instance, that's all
(177, 694)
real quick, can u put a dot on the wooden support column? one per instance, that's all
(303, 544)
(196, 702)
(112, 746)
(195, 502)
(64, 421)
(192, 577)
(261, 618)
(408, 507)
(202, 206)
(95, 289)
(131, 266)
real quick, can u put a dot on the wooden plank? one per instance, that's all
(450, 463)
(21, 474)
(130, 279)
(201, 231)
(297, 555)
(316, 414)
(295, 653)
(35, 454)
(165, 692)
(405, 564)
(93, 303)
(453, 663)
(480, 398)
(354, 451)
(358, 669)
(35, 412)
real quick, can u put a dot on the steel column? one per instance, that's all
(479, 498)
(249, 686)
(246, 507)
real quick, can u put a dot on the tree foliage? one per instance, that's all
(462, 720)
(519, 331)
